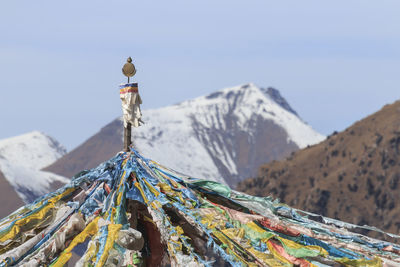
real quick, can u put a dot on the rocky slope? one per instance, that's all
(353, 176)
(9, 199)
(21, 159)
(223, 136)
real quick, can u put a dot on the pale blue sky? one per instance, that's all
(60, 62)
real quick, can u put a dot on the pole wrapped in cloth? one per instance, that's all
(131, 102)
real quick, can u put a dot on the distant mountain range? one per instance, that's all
(21, 159)
(224, 136)
(353, 176)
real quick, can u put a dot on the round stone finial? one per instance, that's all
(129, 69)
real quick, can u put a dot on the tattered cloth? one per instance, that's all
(132, 211)
(131, 101)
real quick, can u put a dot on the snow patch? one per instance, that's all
(23, 156)
(168, 138)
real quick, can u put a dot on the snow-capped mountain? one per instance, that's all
(221, 136)
(224, 136)
(21, 160)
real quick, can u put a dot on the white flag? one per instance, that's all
(131, 101)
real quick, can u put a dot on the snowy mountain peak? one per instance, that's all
(21, 159)
(224, 136)
(248, 101)
(33, 149)
(213, 135)
(276, 96)
(244, 92)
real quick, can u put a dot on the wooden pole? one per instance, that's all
(128, 70)
(127, 137)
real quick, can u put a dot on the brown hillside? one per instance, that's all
(353, 176)
(98, 148)
(9, 199)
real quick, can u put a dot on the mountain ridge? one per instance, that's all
(352, 176)
(211, 135)
(22, 157)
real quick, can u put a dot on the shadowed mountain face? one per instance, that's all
(248, 156)
(224, 136)
(248, 150)
(352, 176)
(103, 145)
(9, 199)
